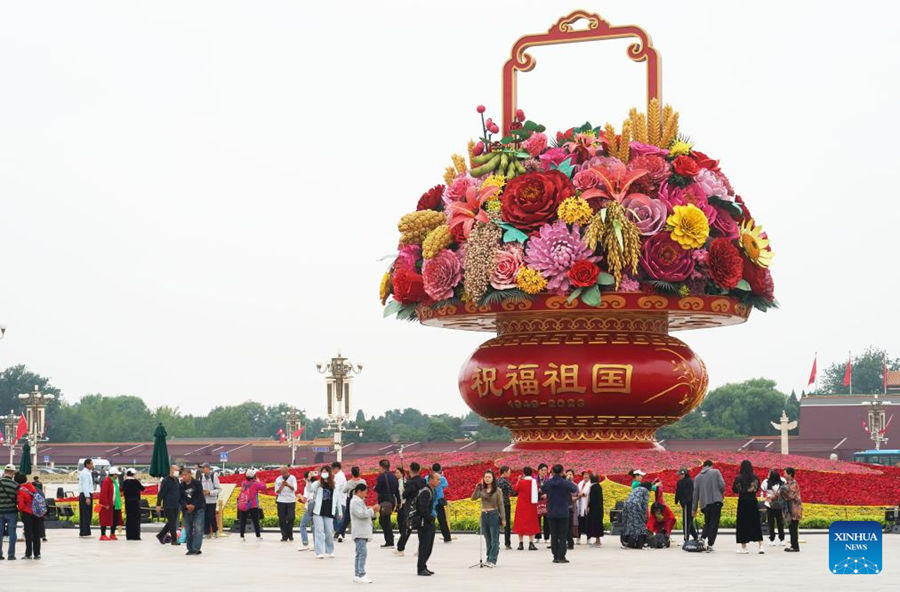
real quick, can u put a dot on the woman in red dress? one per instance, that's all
(526, 521)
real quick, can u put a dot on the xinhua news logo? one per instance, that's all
(854, 548)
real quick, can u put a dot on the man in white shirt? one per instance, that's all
(85, 498)
(286, 502)
(340, 479)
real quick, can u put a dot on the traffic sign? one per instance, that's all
(223, 457)
(46, 458)
(321, 449)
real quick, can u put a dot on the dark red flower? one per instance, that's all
(584, 274)
(705, 162)
(740, 201)
(531, 200)
(408, 287)
(685, 166)
(432, 199)
(760, 280)
(568, 136)
(726, 266)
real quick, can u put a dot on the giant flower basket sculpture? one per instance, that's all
(582, 252)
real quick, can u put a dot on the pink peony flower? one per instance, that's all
(506, 264)
(408, 257)
(658, 170)
(441, 274)
(457, 190)
(535, 144)
(554, 250)
(712, 185)
(641, 149)
(629, 284)
(664, 259)
(673, 196)
(587, 179)
(648, 214)
(553, 156)
(724, 225)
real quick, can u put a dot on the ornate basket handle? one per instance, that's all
(562, 32)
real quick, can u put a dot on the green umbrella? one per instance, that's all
(25, 467)
(159, 462)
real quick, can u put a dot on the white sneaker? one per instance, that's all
(772, 543)
(365, 580)
(330, 555)
(397, 553)
(761, 551)
(304, 548)
(780, 543)
(491, 565)
(319, 556)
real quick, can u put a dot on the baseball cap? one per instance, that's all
(9, 467)
(638, 472)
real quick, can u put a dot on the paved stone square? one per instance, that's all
(73, 564)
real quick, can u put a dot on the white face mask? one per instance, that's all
(324, 475)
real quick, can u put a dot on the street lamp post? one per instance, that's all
(339, 375)
(10, 423)
(292, 423)
(35, 417)
(877, 421)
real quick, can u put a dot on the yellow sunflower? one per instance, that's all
(690, 228)
(755, 244)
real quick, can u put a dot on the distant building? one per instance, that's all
(839, 421)
(893, 381)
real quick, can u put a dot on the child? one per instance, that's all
(361, 530)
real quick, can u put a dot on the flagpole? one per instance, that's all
(850, 365)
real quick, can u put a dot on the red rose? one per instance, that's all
(760, 280)
(584, 274)
(705, 162)
(686, 166)
(432, 199)
(408, 287)
(725, 263)
(530, 200)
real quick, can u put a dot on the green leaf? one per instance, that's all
(743, 285)
(392, 308)
(606, 279)
(566, 167)
(522, 155)
(591, 296)
(522, 133)
(586, 126)
(512, 234)
(530, 126)
(508, 140)
(603, 215)
(733, 208)
(407, 313)
(618, 229)
(541, 128)
(575, 294)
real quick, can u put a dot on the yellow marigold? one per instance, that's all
(574, 210)
(530, 281)
(755, 244)
(492, 205)
(690, 228)
(497, 181)
(383, 290)
(680, 148)
(436, 240)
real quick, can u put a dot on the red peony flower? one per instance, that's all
(531, 200)
(760, 280)
(664, 259)
(685, 166)
(726, 266)
(584, 274)
(432, 199)
(408, 287)
(658, 170)
(705, 162)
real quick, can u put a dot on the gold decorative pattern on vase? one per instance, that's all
(687, 378)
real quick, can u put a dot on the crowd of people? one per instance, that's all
(552, 505)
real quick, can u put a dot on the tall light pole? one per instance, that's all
(10, 423)
(292, 423)
(35, 417)
(877, 421)
(339, 375)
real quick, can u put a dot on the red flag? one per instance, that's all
(847, 373)
(296, 435)
(21, 429)
(2, 439)
(280, 434)
(812, 374)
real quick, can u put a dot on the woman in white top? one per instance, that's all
(326, 506)
(581, 504)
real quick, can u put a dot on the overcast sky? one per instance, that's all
(195, 194)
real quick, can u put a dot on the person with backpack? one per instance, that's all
(211, 489)
(441, 503)
(768, 492)
(9, 504)
(32, 509)
(248, 503)
(326, 506)
(684, 496)
(413, 485)
(422, 517)
(361, 530)
(110, 505)
(131, 489)
(388, 490)
(168, 499)
(709, 494)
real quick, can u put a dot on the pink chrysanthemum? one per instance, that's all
(554, 250)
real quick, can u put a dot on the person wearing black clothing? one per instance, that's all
(414, 484)
(559, 492)
(36, 481)
(192, 502)
(131, 490)
(748, 528)
(425, 515)
(506, 487)
(542, 476)
(684, 495)
(388, 490)
(168, 500)
(774, 514)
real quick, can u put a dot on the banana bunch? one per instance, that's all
(505, 162)
(415, 226)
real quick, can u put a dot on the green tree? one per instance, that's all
(865, 371)
(96, 418)
(18, 379)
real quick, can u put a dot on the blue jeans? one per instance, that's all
(305, 520)
(359, 566)
(490, 528)
(323, 534)
(10, 521)
(193, 523)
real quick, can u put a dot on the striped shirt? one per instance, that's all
(8, 492)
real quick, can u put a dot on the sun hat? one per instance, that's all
(114, 471)
(251, 473)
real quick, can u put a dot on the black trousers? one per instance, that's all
(209, 519)
(426, 544)
(32, 527)
(385, 509)
(286, 517)
(115, 524)
(794, 529)
(171, 526)
(775, 517)
(507, 532)
(442, 522)
(558, 528)
(133, 520)
(405, 530)
(712, 513)
(85, 512)
(253, 514)
(688, 521)
(545, 528)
